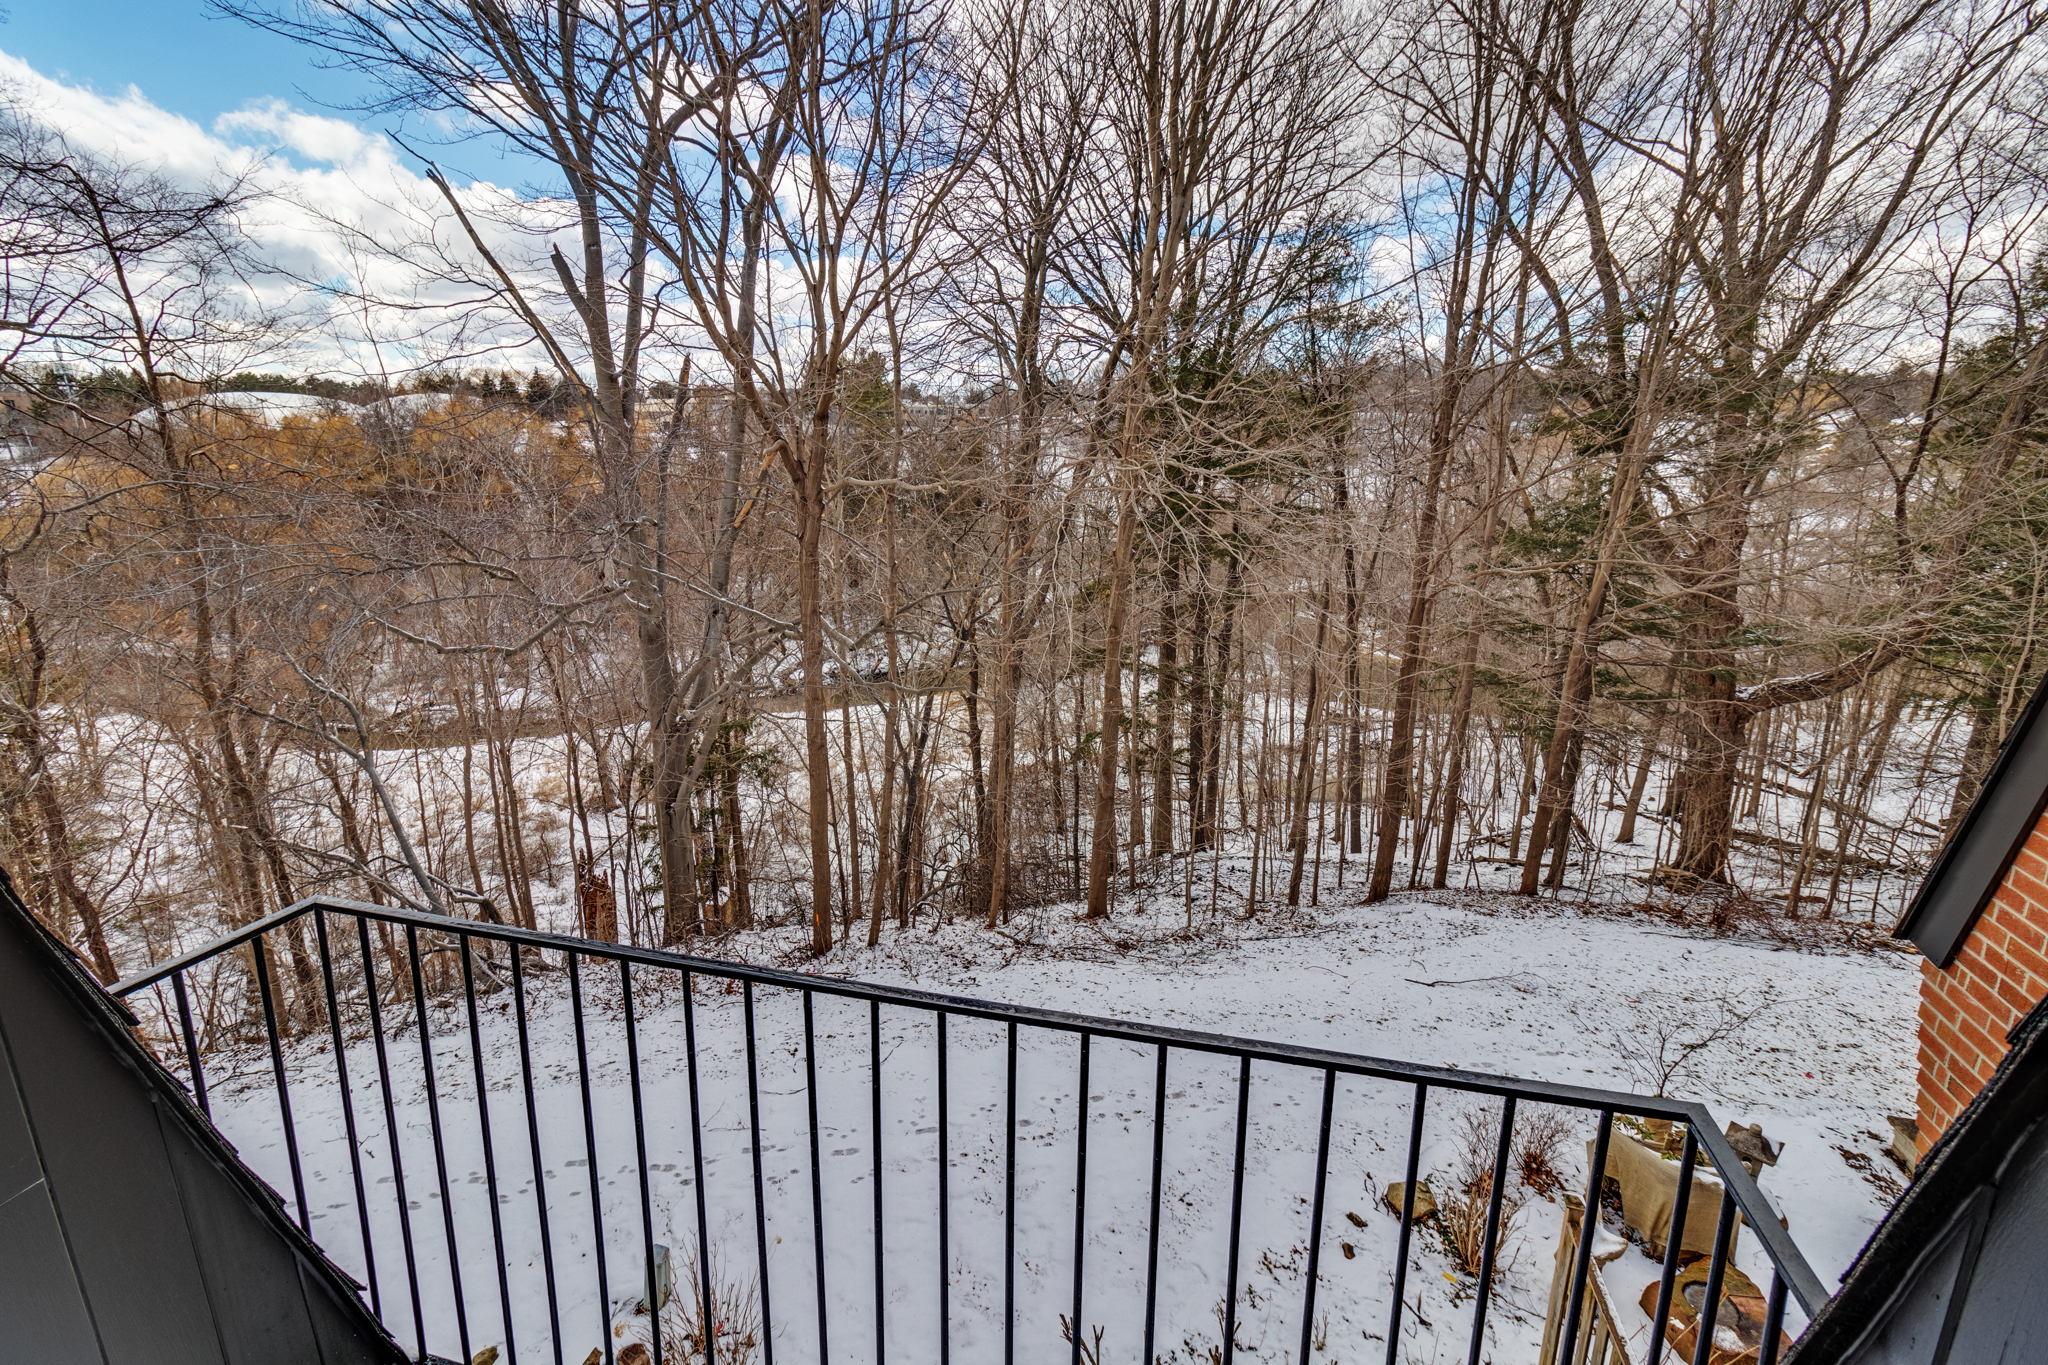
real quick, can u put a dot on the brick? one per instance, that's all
(1966, 1009)
(2031, 930)
(2005, 970)
(1986, 1046)
(1990, 936)
(2031, 883)
(2003, 986)
(1989, 1009)
(2029, 959)
(1988, 1039)
(1964, 1081)
(2017, 994)
(1979, 1014)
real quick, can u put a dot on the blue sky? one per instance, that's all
(185, 58)
(181, 55)
(174, 89)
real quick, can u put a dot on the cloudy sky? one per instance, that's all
(174, 86)
(172, 53)
(176, 78)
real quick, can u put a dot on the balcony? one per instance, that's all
(532, 1148)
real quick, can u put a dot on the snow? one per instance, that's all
(258, 405)
(1538, 990)
(267, 406)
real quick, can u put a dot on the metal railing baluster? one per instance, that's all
(875, 1126)
(284, 1094)
(760, 1180)
(1010, 1196)
(1717, 1266)
(1415, 1121)
(945, 1201)
(1152, 1223)
(1080, 1192)
(1315, 1216)
(193, 1065)
(640, 1156)
(348, 1108)
(1496, 1192)
(483, 1120)
(433, 1090)
(1774, 1321)
(817, 1177)
(1674, 1247)
(1582, 1259)
(707, 1302)
(1244, 1101)
(540, 1184)
(412, 1263)
(597, 1256)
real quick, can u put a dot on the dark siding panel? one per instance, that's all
(1911, 1332)
(254, 1292)
(20, 1167)
(1963, 1250)
(2005, 1317)
(131, 1218)
(43, 1305)
(340, 1343)
(110, 1179)
(45, 1313)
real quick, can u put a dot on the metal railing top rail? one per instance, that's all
(1749, 1199)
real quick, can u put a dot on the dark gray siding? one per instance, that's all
(128, 1231)
(1954, 1275)
(2005, 1314)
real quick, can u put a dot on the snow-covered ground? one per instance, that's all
(1819, 1047)
(157, 871)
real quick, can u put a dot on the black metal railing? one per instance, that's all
(502, 1134)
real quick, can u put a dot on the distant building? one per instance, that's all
(17, 428)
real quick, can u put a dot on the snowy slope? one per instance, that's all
(1537, 991)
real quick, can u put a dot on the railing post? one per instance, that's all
(1681, 1206)
(1583, 1259)
(1717, 1266)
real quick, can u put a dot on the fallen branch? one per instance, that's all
(1518, 980)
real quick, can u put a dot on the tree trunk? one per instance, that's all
(1103, 831)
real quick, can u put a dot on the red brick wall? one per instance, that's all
(1967, 1008)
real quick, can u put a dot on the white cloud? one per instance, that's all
(313, 137)
(346, 221)
(337, 207)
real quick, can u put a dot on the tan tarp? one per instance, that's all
(1649, 1189)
